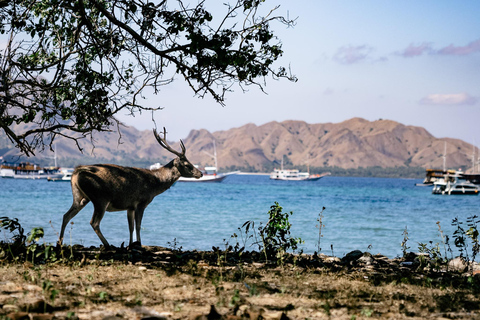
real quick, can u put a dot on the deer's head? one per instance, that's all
(184, 166)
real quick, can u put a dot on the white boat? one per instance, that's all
(295, 175)
(64, 176)
(209, 175)
(26, 170)
(454, 184)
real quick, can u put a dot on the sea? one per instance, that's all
(367, 214)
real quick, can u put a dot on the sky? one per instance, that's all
(415, 62)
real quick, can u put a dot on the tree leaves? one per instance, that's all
(71, 66)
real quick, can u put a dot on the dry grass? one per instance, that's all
(158, 283)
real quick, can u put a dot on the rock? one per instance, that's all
(18, 316)
(367, 259)
(332, 260)
(39, 306)
(213, 315)
(457, 264)
(44, 316)
(10, 308)
(352, 256)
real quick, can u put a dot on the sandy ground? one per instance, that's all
(160, 283)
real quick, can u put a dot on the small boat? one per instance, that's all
(209, 175)
(454, 184)
(26, 170)
(64, 176)
(435, 175)
(295, 175)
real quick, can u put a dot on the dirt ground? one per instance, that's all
(160, 283)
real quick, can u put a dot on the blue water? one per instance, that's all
(369, 214)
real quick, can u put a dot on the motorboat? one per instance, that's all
(295, 175)
(454, 184)
(26, 170)
(64, 176)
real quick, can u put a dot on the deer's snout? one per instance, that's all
(197, 174)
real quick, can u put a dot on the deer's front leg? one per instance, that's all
(72, 212)
(138, 222)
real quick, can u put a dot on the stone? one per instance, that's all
(457, 264)
(352, 256)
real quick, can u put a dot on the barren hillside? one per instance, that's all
(350, 144)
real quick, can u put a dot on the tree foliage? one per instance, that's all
(70, 66)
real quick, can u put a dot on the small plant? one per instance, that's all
(49, 291)
(434, 254)
(404, 242)
(103, 295)
(366, 312)
(174, 245)
(320, 226)
(275, 235)
(460, 239)
(13, 226)
(472, 233)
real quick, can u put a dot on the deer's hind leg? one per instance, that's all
(97, 217)
(131, 223)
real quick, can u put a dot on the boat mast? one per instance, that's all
(473, 157)
(215, 154)
(445, 157)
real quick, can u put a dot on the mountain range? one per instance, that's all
(354, 143)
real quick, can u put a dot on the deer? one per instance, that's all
(112, 187)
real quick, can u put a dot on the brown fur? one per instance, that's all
(115, 188)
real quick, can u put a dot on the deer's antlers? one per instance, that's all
(164, 144)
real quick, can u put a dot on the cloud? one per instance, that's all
(470, 48)
(416, 50)
(453, 99)
(427, 48)
(328, 92)
(352, 54)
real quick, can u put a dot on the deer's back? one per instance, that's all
(117, 184)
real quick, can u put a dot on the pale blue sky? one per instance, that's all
(415, 62)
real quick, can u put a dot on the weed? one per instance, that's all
(473, 233)
(445, 241)
(103, 295)
(326, 308)
(434, 254)
(252, 289)
(49, 291)
(460, 239)
(320, 226)
(174, 245)
(367, 312)
(404, 242)
(275, 235)
(235, 299)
